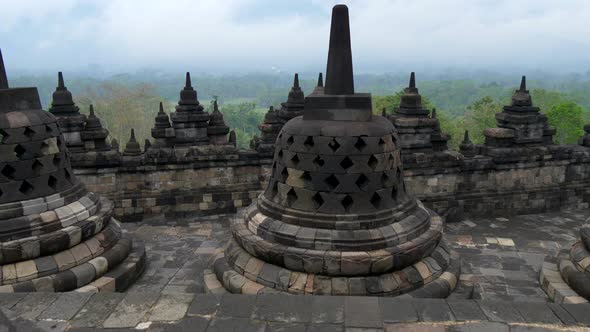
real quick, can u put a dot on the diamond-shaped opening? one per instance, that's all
(37, 166)
(332, 181)
(334, 145)
(372, 162)
(1, 193)
(44, 148)
(290, 140)
(274, 165)
(48, 129)
(347, 202)
(280, 153)
(3, 135)
(25, 188)
(381, 141)
(52, 182)
(393, 139)
(319, 161)
(56, 160)
(385, 180)
(360, 144)
(317, 200)
(391, 157)
(309, 142)
(29, 132)
(295, 159)
(376, 200)
(19, 150)
(346, 163)
(284, 174)
(306, 176)
(291, 197)
(362, 181)
(8, 171)
(68, 176)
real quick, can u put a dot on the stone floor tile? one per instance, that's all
(562, 314)
(97, 309)
(325, 328)
(131, 310)
(536, 312)
(396, 310)
(465, 310)
(187, 324)
(8, 300)
(235, 305)
(362, 312)
(479, 327)
(327, 310)
(280, 308)
(236, 325)
(409, 327)
(500, 311)
(66, 306)
(285, 327)
(203, 305)
(170, 307)
(580, 312)
(433, 310)
(34, 304)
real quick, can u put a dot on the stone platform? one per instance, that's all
(498, 289)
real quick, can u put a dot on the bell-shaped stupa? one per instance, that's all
(335, 217)
(55, 235)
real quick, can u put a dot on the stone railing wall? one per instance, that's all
(217, 185)
(555, 178)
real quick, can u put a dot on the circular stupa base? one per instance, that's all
(419, 264)
(427, 278)
(566, 278)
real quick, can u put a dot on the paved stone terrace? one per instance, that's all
(498, 291)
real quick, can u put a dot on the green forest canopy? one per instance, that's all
(131, 100)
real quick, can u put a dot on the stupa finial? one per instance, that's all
(215, 106)
(339, 76)
(3, 78)
(466, 137)
(320, 80)
(523, 84)
(296, 81)
(412, 80)
(60, 80)
(91, 108)
(161, 111)
(188, 80)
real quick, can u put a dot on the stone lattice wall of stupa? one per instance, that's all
(335, 217)
(55, 235)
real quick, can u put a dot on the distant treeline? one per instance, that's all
(131, 100)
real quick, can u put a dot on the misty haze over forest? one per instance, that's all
(124, 56)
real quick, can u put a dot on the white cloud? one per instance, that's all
(538, 33)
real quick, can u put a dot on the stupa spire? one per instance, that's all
(188, 81)
(161, 111)
(412, 80)
(320, 80)
(60, 80)
(523, 84)
(3, 78)
(296, 81)
(339, 76)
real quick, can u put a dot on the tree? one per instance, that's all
(479, 116)
(122, 107)
(567, 118)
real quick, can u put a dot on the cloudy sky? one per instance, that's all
(552, 35)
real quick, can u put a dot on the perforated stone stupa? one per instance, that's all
(335, 217)
(55, 235)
